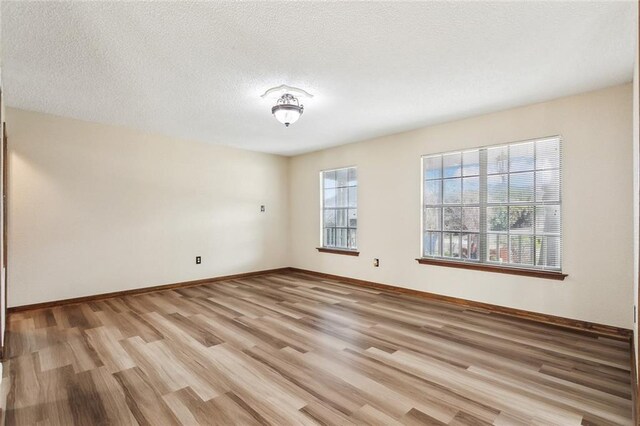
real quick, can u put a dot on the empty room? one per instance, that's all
(319, 213)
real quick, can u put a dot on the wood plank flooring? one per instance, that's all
(293, 349)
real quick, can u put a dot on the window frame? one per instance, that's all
(482, 262)
(336, 249)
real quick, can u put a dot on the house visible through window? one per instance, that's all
(339, 208)
(496, 205)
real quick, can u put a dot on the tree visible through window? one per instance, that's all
(499, 204)
(339, 208)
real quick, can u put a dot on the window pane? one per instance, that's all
(521, 220)
(353, 176)
(446, 244)
(497, 248)
(521, 157)
(471, 163)
(433, 167)
(341, 217)
(548, 185)
(471, 218)
(329, 179)
(432, 218)
(497, 188)
(517, 197)
(433, 192)
(497, 160)
(330, 237)
(342, 177)
(329, 218)
(341, 238)
(474, 246)
(451, 244)
(452, 165)
(432, 243)
(497, 218)
(521, 187)
(353, 218)
(522, 249)
(353, 197)
(452, 218)
(548, 252)
(329, 198)
(471, 190)
(469, 248)
(351, 234)
(452, 191)
(548, 154)
(341, 197)
(548, 220)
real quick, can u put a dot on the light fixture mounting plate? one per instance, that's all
(278, 91)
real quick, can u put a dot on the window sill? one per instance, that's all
(550, 275)
(338, 251)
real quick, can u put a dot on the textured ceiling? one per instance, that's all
(197, 70)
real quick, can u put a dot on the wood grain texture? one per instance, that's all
(101, 296)
(551, 320)
(294, 349)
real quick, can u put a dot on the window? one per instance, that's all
(499, 205)
(339, 208)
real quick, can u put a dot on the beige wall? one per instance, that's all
(636, 198)
(95, 209)
(597, 208)
(3, 302)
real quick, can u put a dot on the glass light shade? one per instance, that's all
(287, 114)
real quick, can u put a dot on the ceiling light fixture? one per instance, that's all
(288, 108)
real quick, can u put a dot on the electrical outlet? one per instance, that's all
(376, 262)
(262, 209)
(198, 260)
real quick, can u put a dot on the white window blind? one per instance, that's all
(496, 205)
(339, 208)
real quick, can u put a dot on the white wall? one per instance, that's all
(96, 209)
(597, 208)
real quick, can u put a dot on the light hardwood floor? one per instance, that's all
(293, 349)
